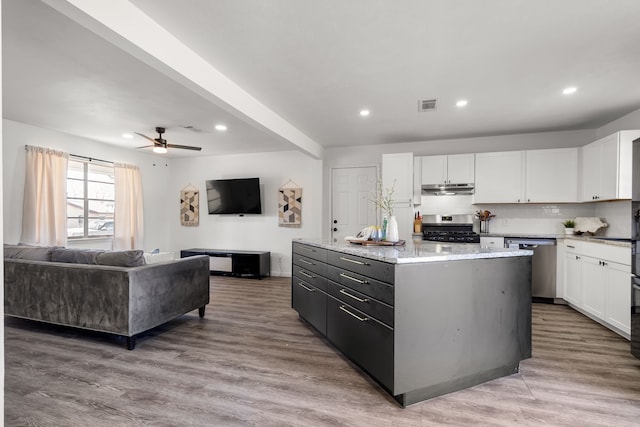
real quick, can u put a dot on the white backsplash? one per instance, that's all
(535, 218)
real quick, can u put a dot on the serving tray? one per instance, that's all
(373, 243)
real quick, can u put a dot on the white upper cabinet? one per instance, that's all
(499, 177)
(397, 172)
(434, 169)
(606, 166)
(533, 176)
(452, 169)
(417, 180)
(551, 175)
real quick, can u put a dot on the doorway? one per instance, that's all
(351, 208)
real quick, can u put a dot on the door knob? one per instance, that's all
(335, 229)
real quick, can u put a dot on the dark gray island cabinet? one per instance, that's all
(420, 322)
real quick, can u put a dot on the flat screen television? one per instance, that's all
(234, 196)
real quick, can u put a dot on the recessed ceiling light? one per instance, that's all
(569, 90)
(462, 103)
(365, 113)
(221, 128)
(159, 150)
(127, 135)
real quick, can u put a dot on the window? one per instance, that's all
(90, 199)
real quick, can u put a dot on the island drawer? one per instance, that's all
(382, 271)
(309, 251)
(362, 302)
(310, 264)
(310, 303)
(310, 277)
(364, 340)
(363, 284)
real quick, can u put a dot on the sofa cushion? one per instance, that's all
(75, 256)
(132, 258)
(32, 253)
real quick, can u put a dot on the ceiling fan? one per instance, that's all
(160, 145)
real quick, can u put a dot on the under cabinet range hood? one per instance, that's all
(447, 189)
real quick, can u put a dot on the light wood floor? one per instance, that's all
(251, 361)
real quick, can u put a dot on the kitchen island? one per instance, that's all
(423, 319)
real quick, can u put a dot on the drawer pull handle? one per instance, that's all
(309, 289)
(304, 273)
(362, 319)
(570, 246)
(307, 249)
(307, 262)
(343, 292)
(346, 276)
(354, 261)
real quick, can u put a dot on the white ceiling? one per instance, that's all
(316, 64)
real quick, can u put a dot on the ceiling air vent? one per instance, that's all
(193, 129)
(427, 105)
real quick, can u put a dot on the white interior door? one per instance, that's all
(351, 192)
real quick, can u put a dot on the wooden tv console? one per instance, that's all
(234, 262)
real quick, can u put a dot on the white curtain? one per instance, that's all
(44, 210)
(128, 224)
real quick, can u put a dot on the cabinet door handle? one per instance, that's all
(343, 292)
(307, 288)
(362, 319)
(354, 261)
(572, 247)
(636, 287)
(307, 249)
(346, 276)
(577, 257)
(304, 273)
(307, 262)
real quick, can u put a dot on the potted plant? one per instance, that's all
(384, 201)
(569, 226)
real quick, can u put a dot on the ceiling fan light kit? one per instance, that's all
(160, 145)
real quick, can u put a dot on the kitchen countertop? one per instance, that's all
(597, 239)
(418, 251)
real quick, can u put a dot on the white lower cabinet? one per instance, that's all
(597, 282)
(573, 279)
(491, 242)
(593, 286)
(618, 296)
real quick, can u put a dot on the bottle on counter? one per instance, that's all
(384, 228)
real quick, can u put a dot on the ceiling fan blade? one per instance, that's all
(184, 147)
(145, 136)
(146, 146)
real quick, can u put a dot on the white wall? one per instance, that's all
(155, 173)
(626, 122)
(250, 232)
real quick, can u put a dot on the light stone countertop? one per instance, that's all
(614, 241)
(418, 251)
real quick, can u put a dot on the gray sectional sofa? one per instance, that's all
(113, 292)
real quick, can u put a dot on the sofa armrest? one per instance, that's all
(164, 291)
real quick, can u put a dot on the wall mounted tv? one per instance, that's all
(234, 196)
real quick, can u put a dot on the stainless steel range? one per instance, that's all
(449, 228)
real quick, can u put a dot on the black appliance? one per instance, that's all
(449, 228)
(635, 261)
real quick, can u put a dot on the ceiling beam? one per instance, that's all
(127, 27)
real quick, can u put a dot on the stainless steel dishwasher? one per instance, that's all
(543, 265)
